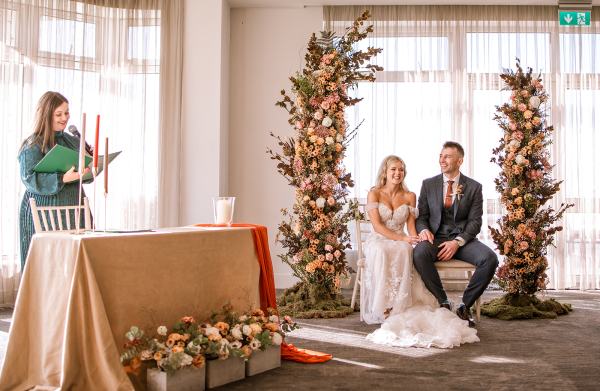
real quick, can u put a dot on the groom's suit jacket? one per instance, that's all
(468, 207)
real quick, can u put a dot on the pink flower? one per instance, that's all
(328, 247)
(331, 201)
(518, 135)
(318, 115)
(337, 253)
(329, 256)
(522, 106)
(325, 105)
(512, 126)
(299, 124)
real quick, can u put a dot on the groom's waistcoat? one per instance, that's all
(448, 228)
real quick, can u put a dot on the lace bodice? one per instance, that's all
(396, 219)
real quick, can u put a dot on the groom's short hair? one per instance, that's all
(454, 144)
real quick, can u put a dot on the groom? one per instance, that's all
(450, 210)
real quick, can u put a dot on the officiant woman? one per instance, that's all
(48, 189)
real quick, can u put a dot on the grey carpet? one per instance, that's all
(559, 354)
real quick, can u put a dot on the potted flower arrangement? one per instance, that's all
(224, 350)
(178, 355)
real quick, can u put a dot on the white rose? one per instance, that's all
(243, 318)
(519, 159)
(339, 138)
(236, 344)
(162, 330)
(320, 202)
(329, 140)
(318, 115)
(277, 338)
(327, 122)
(247, 330)
(212, 331)
(236, 332)
(534, 102)
(274, 319)
(514, 143)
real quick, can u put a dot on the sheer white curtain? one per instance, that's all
(105, 57)
(441, 82)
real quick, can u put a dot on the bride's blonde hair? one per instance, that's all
(381, 174)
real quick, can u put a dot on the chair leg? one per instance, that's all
(356, 282)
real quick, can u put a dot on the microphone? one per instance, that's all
(88, 148)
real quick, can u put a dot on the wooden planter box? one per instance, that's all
(219, 372)
(263, 360)
(185, 379)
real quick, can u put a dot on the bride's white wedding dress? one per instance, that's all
(390, 284)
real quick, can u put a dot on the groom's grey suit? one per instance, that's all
(462, 219)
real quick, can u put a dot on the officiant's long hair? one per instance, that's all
(43, 134)
(381, 174)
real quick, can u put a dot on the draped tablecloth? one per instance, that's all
(80, 293)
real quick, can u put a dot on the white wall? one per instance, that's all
(267, 46)
(205, 108)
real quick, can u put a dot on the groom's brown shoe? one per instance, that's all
(464, 313)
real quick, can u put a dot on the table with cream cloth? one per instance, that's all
(81, 293)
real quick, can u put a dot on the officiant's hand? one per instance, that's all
(426, 235)
(447, 250)
(73, 175)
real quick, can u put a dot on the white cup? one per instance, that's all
(223, 210)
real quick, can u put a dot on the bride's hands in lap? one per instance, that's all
(412, 240)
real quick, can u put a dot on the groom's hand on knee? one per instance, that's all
(447, 250)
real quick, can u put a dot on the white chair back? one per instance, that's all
(362, 227)
(59, 218)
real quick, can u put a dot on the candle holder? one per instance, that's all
(223, 210)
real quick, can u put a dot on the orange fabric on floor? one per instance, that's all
(292, 353)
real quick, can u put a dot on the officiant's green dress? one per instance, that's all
(47, 189)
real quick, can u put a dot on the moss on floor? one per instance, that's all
(511, 307)
(307, 301)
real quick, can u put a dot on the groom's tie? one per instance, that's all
(448, 198)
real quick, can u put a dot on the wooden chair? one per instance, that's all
(362, 227)
(459, 267)
(58, 218)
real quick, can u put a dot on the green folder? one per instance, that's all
(61, 159)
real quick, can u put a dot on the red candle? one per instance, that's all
(95, 165)
(106, 165)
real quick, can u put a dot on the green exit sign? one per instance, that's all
(574, 18)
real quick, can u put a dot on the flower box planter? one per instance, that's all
(185, 379)
(263, 360)
(219, 372)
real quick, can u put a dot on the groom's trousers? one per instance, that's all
(473, 252)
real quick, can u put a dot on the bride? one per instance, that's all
(392, 291)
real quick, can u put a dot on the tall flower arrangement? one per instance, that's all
(525, 185)
(315, 233)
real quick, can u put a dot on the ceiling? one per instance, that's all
(308, 3)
